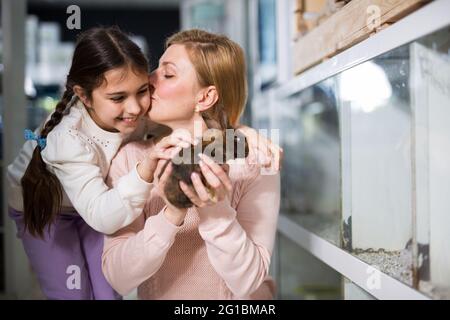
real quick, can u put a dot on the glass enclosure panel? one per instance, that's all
(377, 141)
(309, 135)
(267, 41)
(367, 161)
(430, 90)
(303, 276)
(353, 292)
(395, 155)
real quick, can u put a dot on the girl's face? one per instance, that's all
(120, 102)
(175, 88)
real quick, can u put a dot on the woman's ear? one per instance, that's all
(81, 94)
(207, 98)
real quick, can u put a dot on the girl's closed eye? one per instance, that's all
(117, 99)
(143, 91)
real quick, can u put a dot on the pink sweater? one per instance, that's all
(219, 252)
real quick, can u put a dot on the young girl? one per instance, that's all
(218, 249)
(58, 197)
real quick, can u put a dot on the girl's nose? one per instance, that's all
(133, 107)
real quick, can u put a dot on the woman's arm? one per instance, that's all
(136, 252)
(239, 241)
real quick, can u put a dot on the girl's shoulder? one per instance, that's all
(72, 119)
(70, 126)
(68, 134)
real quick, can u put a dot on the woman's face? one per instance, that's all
(175, 88)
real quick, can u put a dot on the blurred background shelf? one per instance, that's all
(344, 25)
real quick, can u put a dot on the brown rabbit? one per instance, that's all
(214, 145)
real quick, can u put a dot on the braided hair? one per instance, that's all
(97, 51)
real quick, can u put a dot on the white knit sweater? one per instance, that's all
(79, 153)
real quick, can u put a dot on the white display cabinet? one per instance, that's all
(366, 139)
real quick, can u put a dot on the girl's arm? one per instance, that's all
(105, 209)
(270, 154)
(75, 163)
(239, 241)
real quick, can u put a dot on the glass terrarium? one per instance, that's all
(309, 134)
(395, 153)
(377, 220)
(367, 156)
(430, 102)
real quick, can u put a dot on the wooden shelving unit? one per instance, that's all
(338, 25)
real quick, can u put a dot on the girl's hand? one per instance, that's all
(216, 177)
(172, 213)
(273, 154)
(165, 149)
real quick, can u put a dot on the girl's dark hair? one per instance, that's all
(97, 51)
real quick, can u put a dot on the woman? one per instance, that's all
(215, 250)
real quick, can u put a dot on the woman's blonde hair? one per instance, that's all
(219, 62)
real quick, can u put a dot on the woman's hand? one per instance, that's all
(218, 180)
(273, 154)
(172, 213)
(165, 149)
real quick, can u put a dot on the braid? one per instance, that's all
(41, 185)
(58, 114)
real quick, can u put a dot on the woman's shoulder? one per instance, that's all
(136, 150)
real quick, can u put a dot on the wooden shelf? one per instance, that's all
(353, 23)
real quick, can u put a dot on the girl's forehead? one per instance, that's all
(123, 77)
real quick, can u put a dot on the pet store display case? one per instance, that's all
(367, 134)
